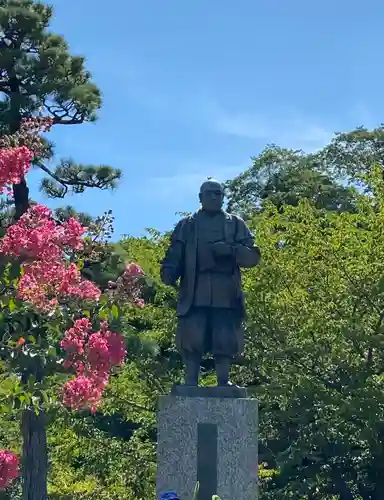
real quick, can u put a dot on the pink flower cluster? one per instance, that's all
(14, 164)
(92, 355)
(36, 124)
(37, 236)
(42, 243)
(127, 287)
(9, 468)
(28, 136)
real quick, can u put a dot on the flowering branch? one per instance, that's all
(44, 251)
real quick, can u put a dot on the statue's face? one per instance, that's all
(211, 196)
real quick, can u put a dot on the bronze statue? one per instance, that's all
(206, 253)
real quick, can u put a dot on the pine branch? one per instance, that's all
(61, 116)
(56, 178)
(77, 177)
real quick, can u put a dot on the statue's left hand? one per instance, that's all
(222, 249)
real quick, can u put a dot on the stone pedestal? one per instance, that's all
(207, 435)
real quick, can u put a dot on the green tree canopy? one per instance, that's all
(315, 349)
(352, 154)
(284, 177)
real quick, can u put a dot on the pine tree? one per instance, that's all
(39, 77)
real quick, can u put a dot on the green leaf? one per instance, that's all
(45, 397)
(11, 305)
(52, 352)
(31, 382)
(27, 398)
(196, 491)
(103, 300)
(115, 311)
(6, 408)
(103, 315)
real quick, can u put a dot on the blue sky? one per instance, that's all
(194, 88)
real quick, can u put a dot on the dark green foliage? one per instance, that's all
(39, 77)
(75, 178)
(284, 177)
(352, 154)
(37, 71)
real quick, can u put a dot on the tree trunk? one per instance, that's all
(20, 191)
(34, 456)
(34, 450)
(33, 432)
(21, 198)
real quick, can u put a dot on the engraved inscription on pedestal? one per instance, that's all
(207, 435)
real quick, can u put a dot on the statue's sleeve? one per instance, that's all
(246, 253)
(172, 264)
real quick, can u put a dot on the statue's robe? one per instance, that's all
(210, 305)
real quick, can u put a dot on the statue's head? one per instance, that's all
(211, 195)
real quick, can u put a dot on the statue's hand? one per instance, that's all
(222, 249)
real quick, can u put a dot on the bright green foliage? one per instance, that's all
(32, 376)
(313, 360)
(314, 357)
(111, 455)
(315, 341)
(89, 462)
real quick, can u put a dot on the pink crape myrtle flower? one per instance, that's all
(42, 245)
(41, 242)
(9, 468)
(83, 392)
(42, 280)
(128, 287)
(134, 270)
(75, 337)
(36, 235)
(92, 356)
(14, 164)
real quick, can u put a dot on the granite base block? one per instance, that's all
(208, 438)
